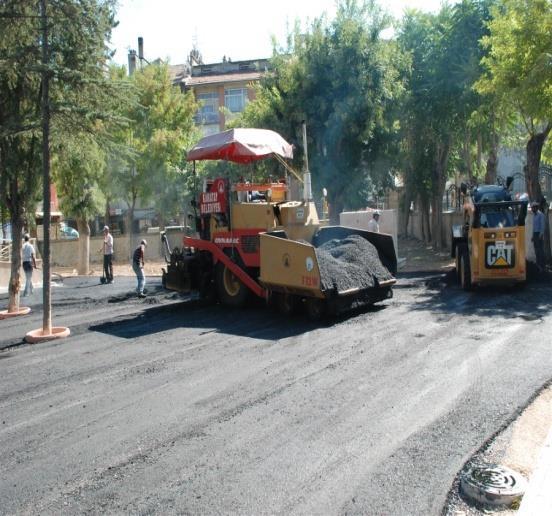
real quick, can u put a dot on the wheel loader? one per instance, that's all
(489, 247)
(252, 239)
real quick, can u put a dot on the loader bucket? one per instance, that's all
(382, 242)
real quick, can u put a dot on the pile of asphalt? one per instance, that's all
(352, 262)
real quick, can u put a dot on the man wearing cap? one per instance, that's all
(373, 225)
(108, 255)
(138, 267)
(29, 263)
(538, 234)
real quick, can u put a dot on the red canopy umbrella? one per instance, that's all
(241, 146)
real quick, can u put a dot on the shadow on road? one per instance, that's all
(256, 321)
(529, 302)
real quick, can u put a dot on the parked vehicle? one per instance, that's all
(67, 232)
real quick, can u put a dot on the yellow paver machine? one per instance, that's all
(253, 239)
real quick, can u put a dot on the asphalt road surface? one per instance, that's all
(166, 406)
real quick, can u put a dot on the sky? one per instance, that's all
(239, 29)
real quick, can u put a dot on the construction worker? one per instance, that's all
(138, 267)
(538, 235)
(373, 225)
(107, 249)
(29, 263)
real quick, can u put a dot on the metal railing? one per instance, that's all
(520, 183)
(5, 252)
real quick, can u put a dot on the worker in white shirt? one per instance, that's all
(29, 263)
(373, 225)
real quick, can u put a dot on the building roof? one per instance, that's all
(222, 78)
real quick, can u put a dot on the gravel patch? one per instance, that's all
(352, 262)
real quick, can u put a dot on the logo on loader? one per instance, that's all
(499, 255)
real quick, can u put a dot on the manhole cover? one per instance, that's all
(492, 484)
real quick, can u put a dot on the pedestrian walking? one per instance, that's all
(538, 235)
(138, 267)
(373, 225)
(108, 255)
(29, 263)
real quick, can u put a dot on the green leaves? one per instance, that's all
(160, 128)
(340, 77)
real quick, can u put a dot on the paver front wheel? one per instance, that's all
(231, 291)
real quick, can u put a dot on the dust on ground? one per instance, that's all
(421, 257)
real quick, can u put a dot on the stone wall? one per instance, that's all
(65, 252)
(5, 271)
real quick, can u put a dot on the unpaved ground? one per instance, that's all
(151, 268)
(421, 257)
(166, 406)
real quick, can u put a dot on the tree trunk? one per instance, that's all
(534, 150)
(439, 181)
(426, 227)
(130, 221)
(83, 266)
(466, 154)
(492, 161)
(15, 277)
(407, 201)
(107, 215)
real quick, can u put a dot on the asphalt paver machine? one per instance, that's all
(253, 239)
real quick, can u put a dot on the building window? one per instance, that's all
(235, 99)
(208, 108)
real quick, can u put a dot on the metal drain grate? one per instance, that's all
(493, 484)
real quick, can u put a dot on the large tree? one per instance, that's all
(519, 74)
(71, 70)
(79, 168)
(340, 77)
(160, 128)
(438, 122)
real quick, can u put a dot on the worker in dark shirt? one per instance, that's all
(138, 267)
(538, 235)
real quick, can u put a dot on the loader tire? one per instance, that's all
(465, 272)
(231, 291)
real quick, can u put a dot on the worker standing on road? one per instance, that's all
(538, 234)
(373, 225)
(138, 267)
(29, 263)
(108, 255)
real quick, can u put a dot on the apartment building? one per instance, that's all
(222, 89)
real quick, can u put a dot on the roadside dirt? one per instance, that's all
(421, 257)
(151, 268)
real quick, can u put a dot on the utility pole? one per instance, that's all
(46, 289)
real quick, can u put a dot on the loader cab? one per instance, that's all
(490, 247)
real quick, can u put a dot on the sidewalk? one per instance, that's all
(537, 500)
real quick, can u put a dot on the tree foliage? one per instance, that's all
(340, 77)
(79, 96)
(160, 128)
(519, 72)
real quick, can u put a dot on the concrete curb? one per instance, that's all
(538, 497)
